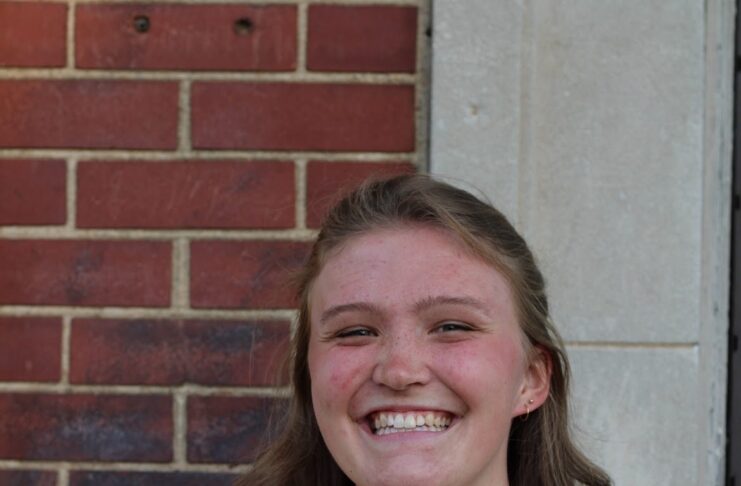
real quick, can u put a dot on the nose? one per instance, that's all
(402, 363)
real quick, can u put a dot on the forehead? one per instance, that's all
(399, 266)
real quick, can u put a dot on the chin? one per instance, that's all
(400, 478)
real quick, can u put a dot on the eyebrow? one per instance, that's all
(420, 306)
(429, 302)
(351, 307)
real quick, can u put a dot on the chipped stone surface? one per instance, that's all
(476, 115)
(615, 199)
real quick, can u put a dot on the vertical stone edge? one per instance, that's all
(716, 234)
(423, 86)
(526, 180)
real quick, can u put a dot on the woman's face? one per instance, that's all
(416, 361)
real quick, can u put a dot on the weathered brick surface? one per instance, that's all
(226, 429)
(32, 192)
(85, 272)
(306, 116)
(327, 182)
(244, 274)
(142, 135)
(206, 194)
(198, 37)
(130, 352)
(33, 34)
(27, 478)
(110, 478)
(85, 427)
(30, 349)
(88, 114)
(362, 38)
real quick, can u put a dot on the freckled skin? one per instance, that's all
(393, 353)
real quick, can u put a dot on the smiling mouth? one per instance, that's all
(382, 423)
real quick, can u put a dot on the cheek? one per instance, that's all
(475, 367)
(336, 374)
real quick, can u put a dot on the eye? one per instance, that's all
(452, 326)
(355, 332)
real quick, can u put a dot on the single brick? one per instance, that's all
(88, 114)
(327, 182)
(207, 194)
(30, 349)
(118, 478)
(32, 192)
(85, 272)
(292, 116)
(11, 477)
(198, 37)
(362, 38)
(227, 429)
(126, 352)
(244, 274)
(33, 34)
(85, 427)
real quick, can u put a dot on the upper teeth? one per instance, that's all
(434, 421)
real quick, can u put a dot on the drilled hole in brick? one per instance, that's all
(243, 26)
(141, 23)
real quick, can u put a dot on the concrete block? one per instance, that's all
(613, 203)
(636, 412)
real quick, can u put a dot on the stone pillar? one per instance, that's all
(603, 130)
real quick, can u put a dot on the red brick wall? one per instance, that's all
(162, 167)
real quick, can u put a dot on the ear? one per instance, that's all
(537, 382)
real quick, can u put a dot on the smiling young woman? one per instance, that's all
(424, 353)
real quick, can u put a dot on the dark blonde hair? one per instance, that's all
(540, 449)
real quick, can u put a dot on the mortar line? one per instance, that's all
(70, 40)
(60, 232)
(63, 476)
(308, 77)
(179, 436)
(180, 298)
(184, 142)
(191, 390)
(300, 174)
(302, 36)
(147, 313)
(71, 194)
(274, 2)
(65, 351)
(631, 345)
(121, 466)
(103, 156)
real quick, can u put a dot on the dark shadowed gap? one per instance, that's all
(733, 462)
